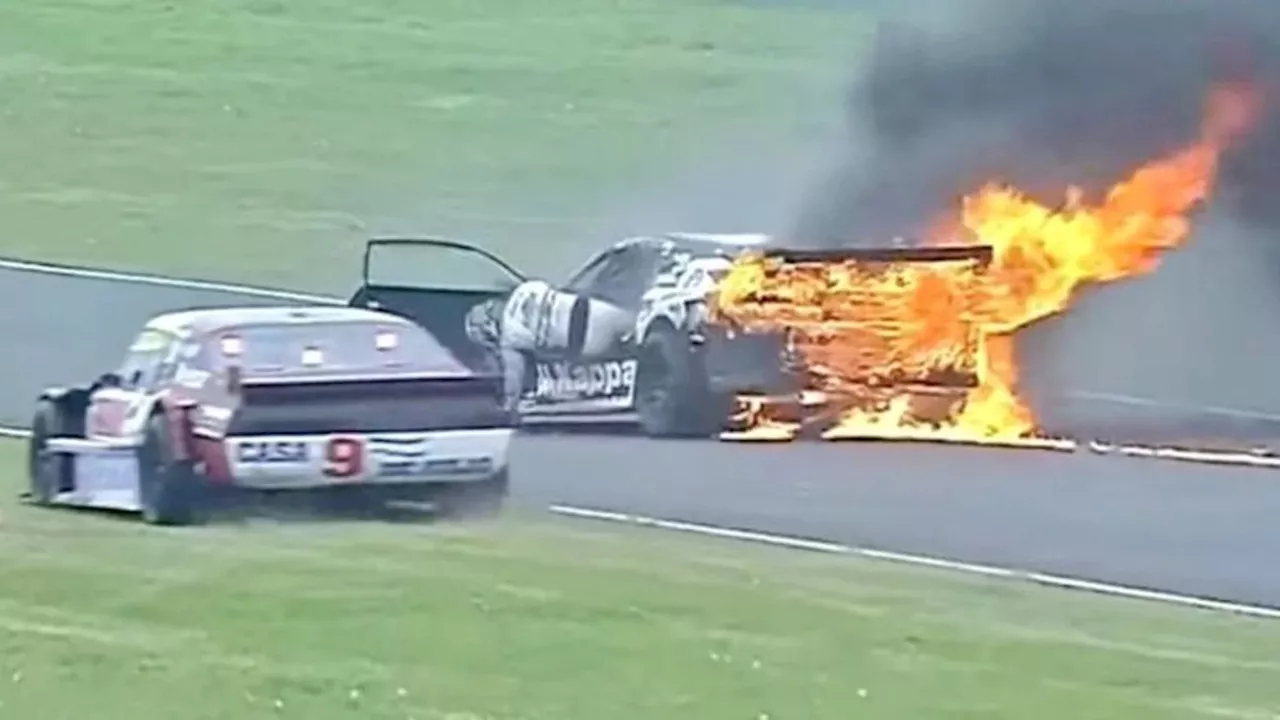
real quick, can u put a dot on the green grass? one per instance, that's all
(261, 140)
(526, 618)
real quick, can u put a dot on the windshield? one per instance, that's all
(332, 347)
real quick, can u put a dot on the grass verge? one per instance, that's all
(260, 140)
(538, 620)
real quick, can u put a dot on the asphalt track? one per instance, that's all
(1184, 528)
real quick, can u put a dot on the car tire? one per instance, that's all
(475, 500)
(672, 397)
(169, 490)
(46, 476)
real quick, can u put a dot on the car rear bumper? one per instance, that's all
(437, 457)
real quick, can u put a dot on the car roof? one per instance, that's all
(702, 244)
(734, 240)
(204, 320)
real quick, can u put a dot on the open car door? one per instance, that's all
(434, 282)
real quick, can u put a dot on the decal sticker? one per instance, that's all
(271, 452)
(398, 457)
(526, 304)
(413, 458)
(344, 457)
(560, 381)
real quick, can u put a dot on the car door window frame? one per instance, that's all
(626, 259)
(583, 282)
(152, 365)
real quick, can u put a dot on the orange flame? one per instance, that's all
(1040, 257)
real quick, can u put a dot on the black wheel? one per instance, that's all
(169, 490)
(474, 500)
(46, 474)
(672, 397)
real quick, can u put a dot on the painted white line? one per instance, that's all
(14, 432)
(1047, 579)
(937, 563)
(159, 281)
(678, 526)
(1069, 583)
(1213, 457)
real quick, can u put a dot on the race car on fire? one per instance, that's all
(629, 336)
(217, 403)
(736, 335)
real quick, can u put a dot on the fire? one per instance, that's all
(843, 317)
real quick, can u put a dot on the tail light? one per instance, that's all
(231, 346)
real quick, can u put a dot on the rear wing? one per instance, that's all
(981, 254)
(434, 263)
(868, 316)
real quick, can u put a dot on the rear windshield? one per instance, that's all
(331, 347)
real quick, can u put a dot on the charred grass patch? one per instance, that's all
(540, 620)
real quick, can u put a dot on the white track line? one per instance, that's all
(1212, 457)
(1046, 579)
(159, 281)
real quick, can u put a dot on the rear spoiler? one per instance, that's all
(420, 403)
(981, 253)
(383, 243)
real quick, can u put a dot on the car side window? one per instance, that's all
(148, 360)
(170, 360)
(620, 279)
(693, 278)
(588, 280)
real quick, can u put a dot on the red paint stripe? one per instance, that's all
(212, 452)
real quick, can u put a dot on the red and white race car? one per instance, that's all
(216, 402)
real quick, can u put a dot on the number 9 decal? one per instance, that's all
(344, 457)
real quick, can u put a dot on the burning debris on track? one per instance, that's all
(874, 335)
(1025, 120)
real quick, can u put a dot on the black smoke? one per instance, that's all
(1040, 93)
(1047, 93)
